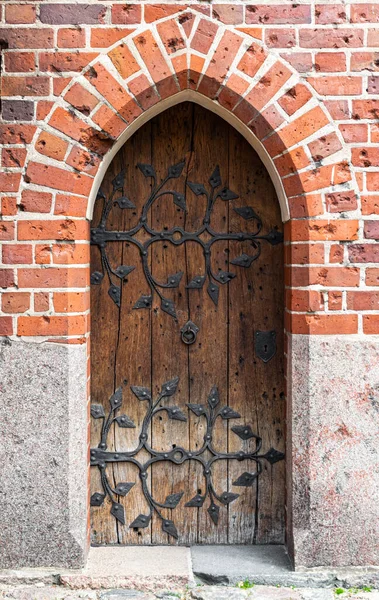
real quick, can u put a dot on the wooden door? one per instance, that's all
(187, 384)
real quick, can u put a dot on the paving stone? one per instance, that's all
(125, 595)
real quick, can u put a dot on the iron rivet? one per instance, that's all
(93, 453)
(143, 519)
(246, 431)
(116, 456)
(102, 445)
(166, 455)
(189, 455)
(144, 253)
(115, 508)
(167, 523)
(118, 235)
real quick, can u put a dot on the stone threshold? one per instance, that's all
(154, 568)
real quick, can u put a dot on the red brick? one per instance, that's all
(255, 32)
(283, 14)
(304, 300)
(72, 14)
(78, 130)
(179, 62)
(324, 146)
(294, 98)
(373, 38)
(51, 145)
(371, 230)
(370, 205)
(366, 109)
(109, 122)
(113, 92)
(373, 84)
(269, 84)
(19, 38)
(336, 85)
(71, 302)
(8, 206)
(126, 14)
(266, 122)
(301, 61)
(196, 68)
(349, 37)
(299, 129)
(15, 302)
(322, 324)
(363, 300)
(280, 38)
(370, 324)
(71, 37)
(330, 13)
(70, 206)
(354, 132)
(372, 181)
(230, 14)
(20, 13)
(338, 109)
(9, 182)
(304, 254)
(32, 201)
(25, 86)
(305, 206)
(374, 132)
(84, 161)
(13, 157)
(6, 326)
(204, 36)
(43, 326)
(232, 92)
(143, 91)
(335, 300)
(70, 254)
(252, 60)
(341, 201)
(19, 62)
(6, 231)
(65, 61)
(314, 230)
(41, 302)
(154, 12)
(105, 37)
(291, 162)
(59, 179)
(43, 109)
(81, 99)
(364, 13)
(364, 253)
(330, 61)
(42, 254)
(171, 36)
(6, 277)
(364, 60)
(14, 254)
(339, 277)
(372, 276)
(155, 63)
(365, 157)
(59, 84)
(53, 277)
(124, 61)
(336, 253)
(59, 229)
(222, 59)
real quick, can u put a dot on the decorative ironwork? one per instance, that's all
(265, 345)
(101, 236)
(189, 332)
(206, 455)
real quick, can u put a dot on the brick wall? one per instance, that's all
(302, 77)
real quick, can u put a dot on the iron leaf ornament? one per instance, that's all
(216, 189)
(206, 456)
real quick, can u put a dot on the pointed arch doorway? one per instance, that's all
(188, 406)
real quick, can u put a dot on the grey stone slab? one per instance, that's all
(125, 595)
(43, 448)
(333, 432)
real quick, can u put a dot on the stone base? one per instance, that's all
(43, 449)
(333, 450)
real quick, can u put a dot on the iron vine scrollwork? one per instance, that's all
(101, 236)
(100, 457)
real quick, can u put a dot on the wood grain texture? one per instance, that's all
(143, 347)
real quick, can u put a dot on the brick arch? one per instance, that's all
(220, 66)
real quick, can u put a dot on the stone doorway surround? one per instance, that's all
(332, 349)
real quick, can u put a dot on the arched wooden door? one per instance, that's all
(187, 304)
